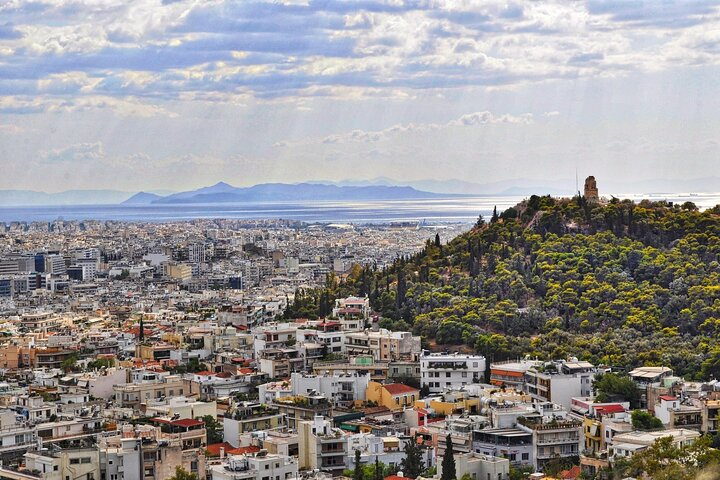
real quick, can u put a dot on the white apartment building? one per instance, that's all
(342, 388)
(440, 372)
(559, 382)
(627, 444)
(260, 466)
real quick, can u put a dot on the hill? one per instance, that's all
(619, 284)
(142, 198)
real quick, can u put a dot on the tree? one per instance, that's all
(69, 364)
(481, 221)
(358, 472)
(379, 472)
(448, 461)
(643, 420)
(182, 474)
(609, 385)
(412, 465)
(437, 240)
(214, 430)
(495, 215)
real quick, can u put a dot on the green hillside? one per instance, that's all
(619, 284)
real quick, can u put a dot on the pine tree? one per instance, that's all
(437, 240)
(412, 465)
(495, 216)
(448, 461)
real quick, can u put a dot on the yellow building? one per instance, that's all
(180, 272)
(394, 396)
(451, 406)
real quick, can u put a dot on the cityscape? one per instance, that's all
(359, 240)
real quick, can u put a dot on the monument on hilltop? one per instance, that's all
(591, 190)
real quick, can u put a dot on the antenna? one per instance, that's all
(577, 185)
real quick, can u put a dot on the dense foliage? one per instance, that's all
(619, 284)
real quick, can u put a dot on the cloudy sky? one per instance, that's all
(151, 94)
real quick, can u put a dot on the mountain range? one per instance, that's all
(380, 188)
(225, 193)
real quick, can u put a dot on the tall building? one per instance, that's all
(55, 264)
(591, 190)
(196, 253)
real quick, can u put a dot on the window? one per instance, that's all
(475, 364)
(85, 460)
(267, 466)
(447, 374)
(74, 461)
(464, 374)
(526, 456)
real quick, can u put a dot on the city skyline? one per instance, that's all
(177, 95)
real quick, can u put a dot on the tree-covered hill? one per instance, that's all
(619, 284)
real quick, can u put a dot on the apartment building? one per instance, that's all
(133, 395)
(259, 466)
(559, 382)
(322, 446)
(440, 372)
(383, 345)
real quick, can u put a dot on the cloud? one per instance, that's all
(270, 49)
(81, 152)
(485, 118)
(468, 120)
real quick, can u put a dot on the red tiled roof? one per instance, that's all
(396, 477)
(214, 449)
(242, 450)
(187, 422)
(614, 408)
(571, 474)
(246, 371)
(206, 373)
(399, 389)
(668, 398)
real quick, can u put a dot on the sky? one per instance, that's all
(178, 94)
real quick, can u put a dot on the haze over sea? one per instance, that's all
(436, 210)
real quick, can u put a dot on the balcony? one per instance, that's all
(557, 441)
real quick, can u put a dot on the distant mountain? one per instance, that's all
(71, 197)
(224, 193)
(142, 198)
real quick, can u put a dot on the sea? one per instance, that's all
(428, 211)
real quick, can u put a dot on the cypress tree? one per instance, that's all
(358, 472)
(448, 461)
(412, 465)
